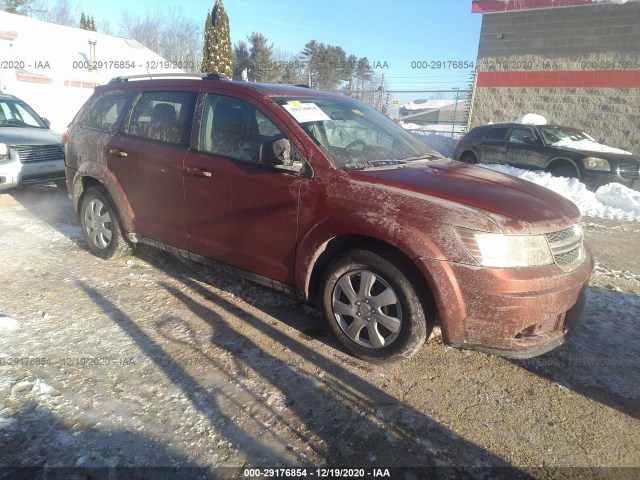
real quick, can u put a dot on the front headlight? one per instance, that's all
(506, 251)
(594, 163)
(4, 152)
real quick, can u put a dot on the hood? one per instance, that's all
(29, 136)
(609, 156)
(480, 188)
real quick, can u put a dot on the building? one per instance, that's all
(54, 68)
(576, 62)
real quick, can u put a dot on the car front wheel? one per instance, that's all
(100, 225)
(372, 308)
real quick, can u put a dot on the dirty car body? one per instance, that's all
(29, 151)
(320, 196)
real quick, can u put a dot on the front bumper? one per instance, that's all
(517, 313)
(14, 173)
(594, 180)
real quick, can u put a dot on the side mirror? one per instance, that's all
(530, 141)
(46, 122)
(277, 153)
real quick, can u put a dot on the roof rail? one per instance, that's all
(151, 76)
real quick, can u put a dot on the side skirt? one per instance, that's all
(254, 277)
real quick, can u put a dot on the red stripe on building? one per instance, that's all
(78, 83)
(32, 78)
(562, 79)
(491, 6)
(8, 35)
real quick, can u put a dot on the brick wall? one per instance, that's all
(582, 69)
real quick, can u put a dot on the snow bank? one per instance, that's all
(612, 201)
(531, 119)
(8, 323)
(588, 146)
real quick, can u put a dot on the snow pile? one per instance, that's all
(612, 201)
(442, 144)
(587, 145)
(531, 119)
(8, 323)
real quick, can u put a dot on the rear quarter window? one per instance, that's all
(107, 113)
(497, 134)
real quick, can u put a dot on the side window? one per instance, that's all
(106, 112)
(234, 128)
(497, 134)
(518, 135)
(163, 116)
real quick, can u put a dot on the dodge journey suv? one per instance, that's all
(322, 197)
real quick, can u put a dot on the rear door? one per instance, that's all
(493, 146)
(523, 153)
(240, 212)
(147, 159)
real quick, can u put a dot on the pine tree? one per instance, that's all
(83, 21)
(217, 53)
(265, 69)
(241, 59)
(91, 24)
(19, 7)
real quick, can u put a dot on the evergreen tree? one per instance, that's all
(83, 21)
(241, 59)
(91, 24)
(265, 69)
(217, 53)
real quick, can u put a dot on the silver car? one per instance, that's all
(29, 151)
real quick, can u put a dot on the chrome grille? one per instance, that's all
(39, 153)
(630, 171)
(567, 247)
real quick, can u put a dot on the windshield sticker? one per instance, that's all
(306, 112)
(357, 112)
(294, 103)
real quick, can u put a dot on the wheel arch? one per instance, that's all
(559, 161)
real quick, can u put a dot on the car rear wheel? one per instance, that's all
(101, 225)
(372, 308)
(469, 157)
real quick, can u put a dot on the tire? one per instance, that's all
(563, 171)
(469, 157)
(101, 226)
(354, 312)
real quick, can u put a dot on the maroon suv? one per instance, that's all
(320, 196)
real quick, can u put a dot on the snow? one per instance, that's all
(427, 104)
(8, 323)
(531, 119)
(588, 146)
(613, 201)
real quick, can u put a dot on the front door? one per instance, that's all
(240, 212)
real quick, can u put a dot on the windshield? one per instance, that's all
(552, 135)
(14, 113)
(353, 135)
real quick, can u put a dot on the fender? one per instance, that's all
(108, 180)
(565, 159)
(406, 238)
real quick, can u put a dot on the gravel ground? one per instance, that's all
(156, 361)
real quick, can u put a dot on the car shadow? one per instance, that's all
(601, 359)
(367, 426)
(38, 444)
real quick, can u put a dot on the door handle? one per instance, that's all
(198, 172)
(117, 153)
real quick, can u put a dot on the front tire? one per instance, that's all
(372, 308)
(101, 225)
(469, 157)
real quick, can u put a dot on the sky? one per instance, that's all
(392, 35)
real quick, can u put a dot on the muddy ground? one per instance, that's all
(155, 361)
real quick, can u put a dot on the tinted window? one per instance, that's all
(518, 135)
(163, 116)
(234, 128)
(497, 133)
(18, 114)
(107, 112)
